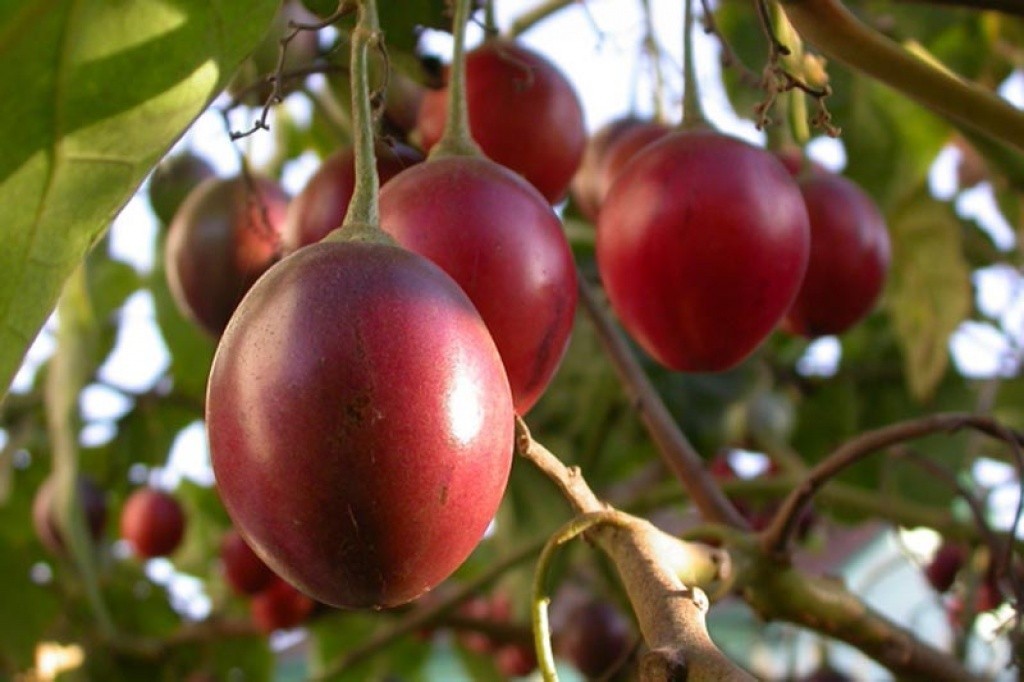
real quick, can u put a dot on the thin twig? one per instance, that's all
(428, 615)
(777, 536)
(677, 452)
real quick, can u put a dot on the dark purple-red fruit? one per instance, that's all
(153, 523)
(280, 607)
(225, 235)
(360, 423)
(243, 570)
(622, 149)
(172, 180)
(44, 516)
(585, 182)
(945, 565)
(702, 243)
(320, 207)
(595, 638)
(499, 239)
(523, 113)
(849, 257)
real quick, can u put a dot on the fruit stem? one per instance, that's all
(693, 113)
(653, 51)
(457, 139)
(68, 374)
(539, 600)
(841, 36)
(363, 214)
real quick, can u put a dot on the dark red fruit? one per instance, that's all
(595, 637)
(497, 237)
(251, 82)
(606, 153)
(945, 565)
(523, 113)
(849, 257)
(280, 607)
(172, 180)
(515, 660)
(152, 522)
(702, 244)
(360, 423)
(622, 149)
(320, 207)
(245, 572)
(584, 187)
(225, 235)
(44, 519)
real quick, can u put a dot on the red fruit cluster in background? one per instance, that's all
(153, 523)
(279, 606)
(607, 151)
(244, 571)
(512, 659)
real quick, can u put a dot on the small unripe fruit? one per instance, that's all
(153, 523)
(172, 180)
(92, 501)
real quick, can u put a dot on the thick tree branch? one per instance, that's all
(778, 592)
(677, 452)
(830, 27)
(1005, 6)
(661, 573)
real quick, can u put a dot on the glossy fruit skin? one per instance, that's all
(321, 205)
(594, 638)
(244, 572)
(225, 235)
(849, 261)
(498, 238)
(702, 243)
(280, 607)
(360, 423)
(523, 113)
(622, 150)
(172, 180)
(94, 505)
(153, 523)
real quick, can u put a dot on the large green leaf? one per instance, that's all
(95, 93)
(929, 292)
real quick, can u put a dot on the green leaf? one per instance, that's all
(96, 92)
(929, 292)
